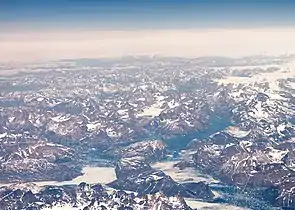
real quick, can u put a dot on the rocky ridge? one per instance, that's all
(83, 197)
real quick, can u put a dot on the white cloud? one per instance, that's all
(29, 46)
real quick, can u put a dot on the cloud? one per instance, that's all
(51, 45)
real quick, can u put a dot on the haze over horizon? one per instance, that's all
(37, 30)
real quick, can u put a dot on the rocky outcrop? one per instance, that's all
(27, 158)
(83, 196)
(150, 150)
(135, 174)
(247, 164)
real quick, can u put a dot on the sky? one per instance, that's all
(45, 30)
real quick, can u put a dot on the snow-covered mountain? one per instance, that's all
(230, 117)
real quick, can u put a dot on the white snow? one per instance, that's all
(156, 178)
(112, 133)
(2, 135)
(92, 126)
(60, 118)
(281, 128)
(122, 111)
(40, 99)
(291, 85)
(64, 207)
(275, 155)
(152, 111)
(246, 145)
(141, 99)
(286, 71)
(10, 119)
(259, 112)
(229, 145)
(237, 132)
(172, 104)
(160, 98)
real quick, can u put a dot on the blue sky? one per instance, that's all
(39, 30)
(124, 14)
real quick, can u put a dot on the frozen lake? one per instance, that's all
(91, 175)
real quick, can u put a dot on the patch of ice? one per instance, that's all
(205, 205)
(91, 175)
(187, 174)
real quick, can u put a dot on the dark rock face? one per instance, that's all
(136, 175)
(83, 196)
